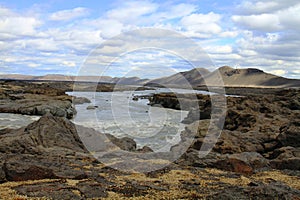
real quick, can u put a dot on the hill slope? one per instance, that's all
(193, 77)
(231, 77)
(250, 77)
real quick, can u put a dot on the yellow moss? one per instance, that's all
(236, 181)
(72, 182)
(266, 177)
(7, 193)
(175, 175)
(155, 161)
(173, 182)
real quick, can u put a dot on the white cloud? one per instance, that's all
(278, 72)
(109, 27)
(69, 63)
(264, 22)
(202, 23)
(257, 7)
(33, 65)
(44, 44)
(130, 11)
(264, 6)
(226, 49)
(229, 34)
(65, 15)
(290, 18)
(173, 12)
(19, 26)
(286, 16)
(4, 12)
(180, 10)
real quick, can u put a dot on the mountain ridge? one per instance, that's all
(242, 77)
(245, 77)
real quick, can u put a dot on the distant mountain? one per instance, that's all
(130, 80)
(193, 77)
(16, 77)
(58, 77)
(250, 77)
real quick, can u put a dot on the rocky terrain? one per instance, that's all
(260, 132)
(257, 155)
(47, 160)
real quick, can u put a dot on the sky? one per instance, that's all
(148, 38)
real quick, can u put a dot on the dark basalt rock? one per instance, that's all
(36, 99)
(48, 132)
(48, 148)
(286, 158)
(91, 107)
(259, 129)
(125, 143)
(80, 100)
(290, 134)
(273, 190)
(54, 190)
(244, 163)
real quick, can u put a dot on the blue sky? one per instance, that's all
(57, 37)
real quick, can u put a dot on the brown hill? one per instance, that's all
(16, 77)
(231, 77)
(193, 77)
(249, 77)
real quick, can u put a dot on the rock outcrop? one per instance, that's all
(48, 148)
(257, 130)
(35, 99)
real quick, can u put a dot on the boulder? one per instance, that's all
(91, 107)
(145, 149)
(290, 134)
(80, 100)
(125, 143)
(48, 132)
(244, 163)
(53, 165)
(286, 158)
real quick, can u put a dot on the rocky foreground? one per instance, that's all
(257, 155)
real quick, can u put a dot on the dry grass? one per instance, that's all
(208, 181)
(7, 193)
(266, 177)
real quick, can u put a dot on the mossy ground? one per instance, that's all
(173, 184)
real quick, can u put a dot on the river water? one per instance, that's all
(13, 121)
(118, 114)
